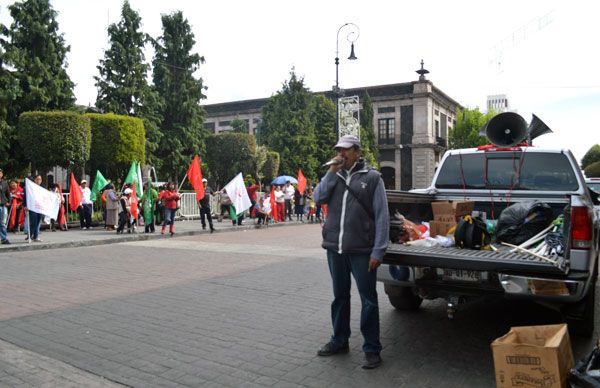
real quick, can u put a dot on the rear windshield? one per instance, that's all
(508, 170)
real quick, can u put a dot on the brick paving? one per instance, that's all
(238, 308)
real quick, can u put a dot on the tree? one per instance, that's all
(465, 133)
(239, 126)
(324, 117)
(288, 127)
(228, 154)
(367, 134)
(38, 52)
(32, 75)
(182, 116)
(122, 85)
(591, 156)
(55, 139)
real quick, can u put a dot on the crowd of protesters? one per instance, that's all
(122, 211)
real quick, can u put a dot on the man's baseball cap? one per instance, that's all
(204, 180)
(347, 141)
(127, 191)
(83, 181)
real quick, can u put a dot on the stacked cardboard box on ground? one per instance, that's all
(533, 356)
(446, 214)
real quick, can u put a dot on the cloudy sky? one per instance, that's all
(542, 54)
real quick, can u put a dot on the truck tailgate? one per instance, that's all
(401, 254)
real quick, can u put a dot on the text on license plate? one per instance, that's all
(461, 275)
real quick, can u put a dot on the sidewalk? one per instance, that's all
(75, 237)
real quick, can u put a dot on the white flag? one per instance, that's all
(41, 201)
(238, 194)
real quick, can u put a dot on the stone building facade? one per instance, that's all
(411, 122)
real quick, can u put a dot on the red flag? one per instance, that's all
(61, 212)
(194, 175)
(75, 194)
(301, 182)
(133, 200)
(273, 204)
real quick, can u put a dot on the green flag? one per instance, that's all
(99, 184)
(132, 174)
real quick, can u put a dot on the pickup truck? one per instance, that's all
(493, 178)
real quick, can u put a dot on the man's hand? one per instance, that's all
(334, 168)
(373, 264)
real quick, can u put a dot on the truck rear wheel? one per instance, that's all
(580, 317)
(402, 298)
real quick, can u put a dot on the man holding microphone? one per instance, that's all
(355, 235)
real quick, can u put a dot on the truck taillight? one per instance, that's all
(581, 228)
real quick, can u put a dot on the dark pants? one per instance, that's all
(124, 219)
(205, 214)
(35, 220)
(85, 216)
(288, 209)
(340, 267)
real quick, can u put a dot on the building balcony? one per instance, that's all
(442, 142)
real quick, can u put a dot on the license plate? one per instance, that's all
(461, 275)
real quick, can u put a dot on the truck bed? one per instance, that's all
(467, 259)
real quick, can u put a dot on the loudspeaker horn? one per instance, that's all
(505, 129)
(537, 128)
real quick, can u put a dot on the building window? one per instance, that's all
(387, 131)
(209, 126)
(437, 112)
(437, 128)
(386, 109)
(224, 123)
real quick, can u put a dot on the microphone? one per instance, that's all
(332, 162)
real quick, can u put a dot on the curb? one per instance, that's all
(131, 237)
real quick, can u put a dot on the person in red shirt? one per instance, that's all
(170, 198)
(251, 189)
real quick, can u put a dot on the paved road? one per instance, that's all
(244, 307)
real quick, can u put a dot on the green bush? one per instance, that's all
(228, 154)
(116, 141)
(54, 138)
(593, 170)
(591, 156)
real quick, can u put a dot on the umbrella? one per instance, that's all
(280, 180)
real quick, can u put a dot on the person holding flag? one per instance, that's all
(170, 198)
(39, 201)
(148, 206)
(4, 203)
(240, 201)
(205, 211)
(86, 206)
(125, 211)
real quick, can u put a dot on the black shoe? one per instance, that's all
(212, 229)
(372, 360)
(204, 228)
(329, 349)
(5, 242)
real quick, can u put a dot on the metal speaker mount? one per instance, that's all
(509, 129)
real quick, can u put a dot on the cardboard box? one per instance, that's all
(447, 211)
(536, 356)
(440, 228)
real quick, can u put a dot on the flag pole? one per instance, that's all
(182, 182)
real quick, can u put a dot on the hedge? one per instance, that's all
(116, 141)
(593, 170)
(54, 138)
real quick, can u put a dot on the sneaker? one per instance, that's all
(84, 228)
(330, 349)
(372, 360)
(5, 242)
(37, 239)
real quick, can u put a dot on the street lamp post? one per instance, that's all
(351, 37)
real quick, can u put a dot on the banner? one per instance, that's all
(41, 201)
